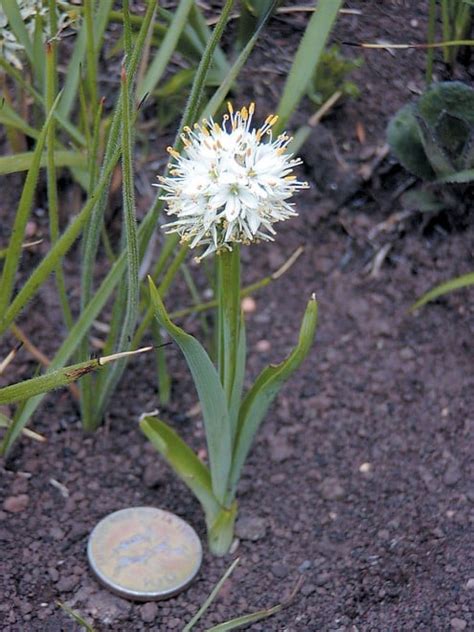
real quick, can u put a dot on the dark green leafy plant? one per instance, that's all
(331, 75)
(434, 137)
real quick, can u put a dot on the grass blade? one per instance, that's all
(9, 117)
(77, 59)
(24, 207)
(205, 606)
(167, 48)
(53, 205)
(307, 58)
(211, 395)
(221, 93)
(458, 283)
(44, 269)
(84, 322)
(133, 262)
(56, 379)
(15, 21)
(23, 161)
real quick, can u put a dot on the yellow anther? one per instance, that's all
(229, 107)
(173, 152)
(244, 113)
(251, 108)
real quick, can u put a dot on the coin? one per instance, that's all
(144, 553)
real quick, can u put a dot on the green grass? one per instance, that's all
(68, 131)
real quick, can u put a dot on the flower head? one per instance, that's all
(231, 183)
(10, 48)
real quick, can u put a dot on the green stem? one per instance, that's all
(229, 315)
(91, 57)
(53, 205)
(220, 533)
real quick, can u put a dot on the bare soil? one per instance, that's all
(361, 481)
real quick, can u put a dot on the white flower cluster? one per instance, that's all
(231, 184)
(10, 48)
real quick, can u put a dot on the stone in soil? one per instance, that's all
(250, 528)
(16, 504)
(149, 612)
(331, 489)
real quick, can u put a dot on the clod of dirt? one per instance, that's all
(452, 474)
(16, 504)
(152, 475)
(331, 489)
(107, 607)
(250, 528)
(149, 612)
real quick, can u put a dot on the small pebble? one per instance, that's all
(263, 346)
(152, 475)
(365, 468)
(66, 584)
(53, 573)
(470, 584)
(331, 489)
(149, 612)
(280, 570)
(248, 305)
(251, 528)
(307, 589)
(280, 450)
(452, 474)
(458, 624)
(16, 504)
(322, 579)
(407, 354)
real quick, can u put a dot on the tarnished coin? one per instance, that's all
(144, 554)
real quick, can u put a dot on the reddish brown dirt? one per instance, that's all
(361, 481)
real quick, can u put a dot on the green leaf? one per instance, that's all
(307, 58)
(457, 283)
(423, 200)
(265, 389)
(167, 48)
(131, 247)
(460, 177)
(440, 161)
(77, 58)
(56, 379)
(211, 395)
(183, 461)
(403, 135)
(23, 161)
(24, 207)
(454, 97)
(17, 26)
(10, 118)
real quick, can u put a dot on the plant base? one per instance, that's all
(220, 533)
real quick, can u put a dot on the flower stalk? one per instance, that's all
(228, 189)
